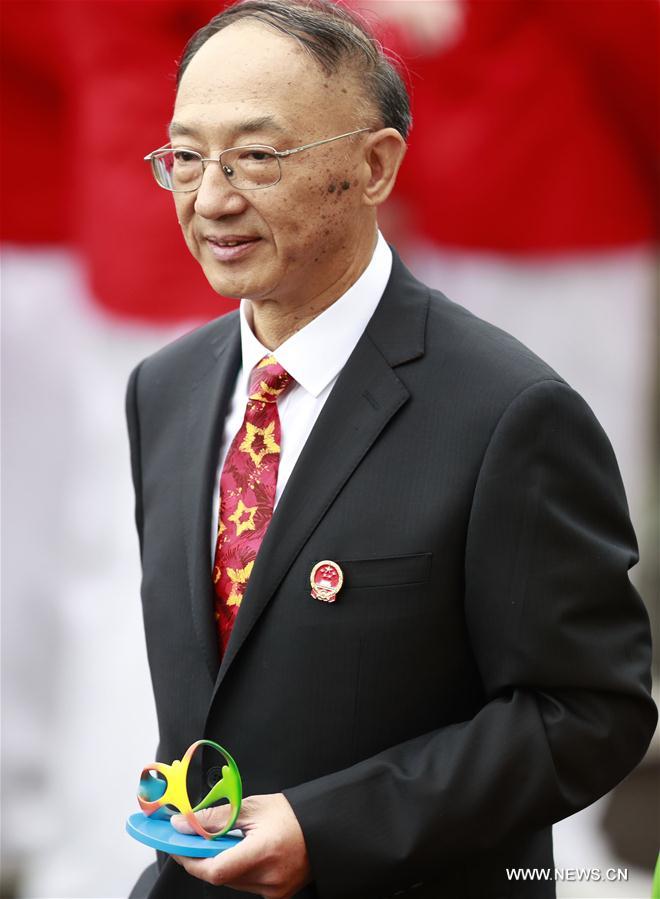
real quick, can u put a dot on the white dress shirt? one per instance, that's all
(314, 357)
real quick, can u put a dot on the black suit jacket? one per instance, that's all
(485, 669)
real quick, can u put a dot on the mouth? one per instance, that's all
(226, 249)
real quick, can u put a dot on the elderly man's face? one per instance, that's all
(250, 85)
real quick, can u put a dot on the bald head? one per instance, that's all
(251, 75)
(336, 39)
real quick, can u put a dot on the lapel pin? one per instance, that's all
(326, 580)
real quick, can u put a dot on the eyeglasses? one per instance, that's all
(246, 168)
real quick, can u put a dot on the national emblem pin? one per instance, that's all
(326, 580)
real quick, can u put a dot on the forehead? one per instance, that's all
(249, 71)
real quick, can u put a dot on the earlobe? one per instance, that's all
(384, 154)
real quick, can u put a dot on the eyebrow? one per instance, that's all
(247, 126)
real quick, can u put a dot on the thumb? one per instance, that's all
(211, 819)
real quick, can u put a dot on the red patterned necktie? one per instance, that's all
(247, 492)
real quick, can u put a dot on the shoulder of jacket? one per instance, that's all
(490, 356)
(177, 356)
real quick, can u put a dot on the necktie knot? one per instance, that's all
(268, 380)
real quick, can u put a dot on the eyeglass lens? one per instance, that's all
(244, 167)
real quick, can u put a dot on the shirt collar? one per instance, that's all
(316, 354)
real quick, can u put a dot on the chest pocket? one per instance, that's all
(391, 571)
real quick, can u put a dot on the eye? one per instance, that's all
(255, 155)
(182, 156)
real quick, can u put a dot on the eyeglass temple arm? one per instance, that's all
(317, 143)
(150, 156)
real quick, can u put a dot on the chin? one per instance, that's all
(231, 287)
(225, 288)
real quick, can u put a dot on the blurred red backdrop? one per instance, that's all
(535, 132)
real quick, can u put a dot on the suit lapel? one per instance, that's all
(207, 408)
(367, 394)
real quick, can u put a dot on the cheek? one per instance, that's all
(338, 185)
(184, 206)
(339, 207)
(317, 218)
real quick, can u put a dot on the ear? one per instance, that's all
(383, 153)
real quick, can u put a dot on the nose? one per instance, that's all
(216, 196)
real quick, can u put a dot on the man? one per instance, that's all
(470, 663)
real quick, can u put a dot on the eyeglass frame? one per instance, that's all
(278, 154)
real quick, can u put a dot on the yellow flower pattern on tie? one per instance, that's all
(239, 578)
(240, 521)
(262, 439)
(247, 492)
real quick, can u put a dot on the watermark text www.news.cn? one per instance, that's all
(571, 875)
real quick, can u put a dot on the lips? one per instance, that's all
(232, 246)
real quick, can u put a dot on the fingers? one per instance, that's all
(179, 823)
(270, 861)
(228, 868)
(235, 863)
(211, 819)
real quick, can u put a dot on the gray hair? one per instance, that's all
(332, 35)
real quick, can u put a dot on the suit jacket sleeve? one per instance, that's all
(561, 640)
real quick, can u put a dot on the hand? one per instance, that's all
(271, 861)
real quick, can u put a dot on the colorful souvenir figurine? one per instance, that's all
(163, 790)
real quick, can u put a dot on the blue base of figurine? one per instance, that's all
(159, 834)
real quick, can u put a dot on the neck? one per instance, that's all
(274, 321)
